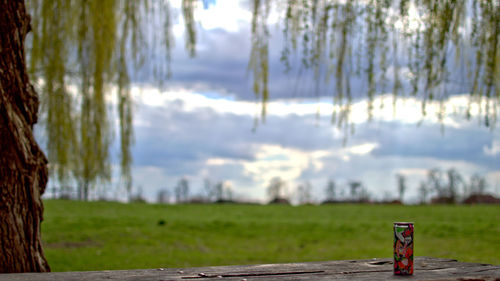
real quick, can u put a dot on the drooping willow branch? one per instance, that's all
(81, 49)
(92, 46)
(424, 44)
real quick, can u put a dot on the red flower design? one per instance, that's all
(409, 252)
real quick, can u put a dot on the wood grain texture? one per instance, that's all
(373, 269)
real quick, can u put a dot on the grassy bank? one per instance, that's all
(100, 235)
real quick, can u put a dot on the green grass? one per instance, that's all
(99, 235)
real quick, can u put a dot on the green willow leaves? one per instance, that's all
(401, 46)
(81, 51)
(259, 54)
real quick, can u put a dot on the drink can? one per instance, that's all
(403, 248)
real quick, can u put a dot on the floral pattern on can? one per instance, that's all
(403, 248)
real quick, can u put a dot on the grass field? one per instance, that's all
(100, 235)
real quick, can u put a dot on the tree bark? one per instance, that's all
(23, 166)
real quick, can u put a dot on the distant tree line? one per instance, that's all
(354, 191)
(439, 186)
(450, 186)
(445, 186)
(218, 192)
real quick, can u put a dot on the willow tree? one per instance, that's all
(80, 50)
(82, 53)
(411, 48)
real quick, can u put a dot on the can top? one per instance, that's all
(403, 224)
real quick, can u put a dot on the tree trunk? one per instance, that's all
(80, 192)
(86, 191)
(23, 166)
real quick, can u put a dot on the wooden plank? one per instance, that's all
(373, 269)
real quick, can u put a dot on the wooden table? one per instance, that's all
(374, 269)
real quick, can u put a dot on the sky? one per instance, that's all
(201, 124)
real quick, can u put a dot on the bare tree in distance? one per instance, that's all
(219, 191)
(276, 190)
(354, 187)
(364, 196)
(138, 197)
(454, 181)
(477, 187)
(209, 191)
(477, 184)
(330, 191)
(227, 192)
(448, 191)
(435, 182)
(401, 179)
(342, 193)
(163, 196)
(304, 193)
(182, 190)
(423, 192)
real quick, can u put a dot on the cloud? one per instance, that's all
(227, 14)
(493, 149)
(210, 136)
(200, 135)
(363, 149)
(466, 144)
